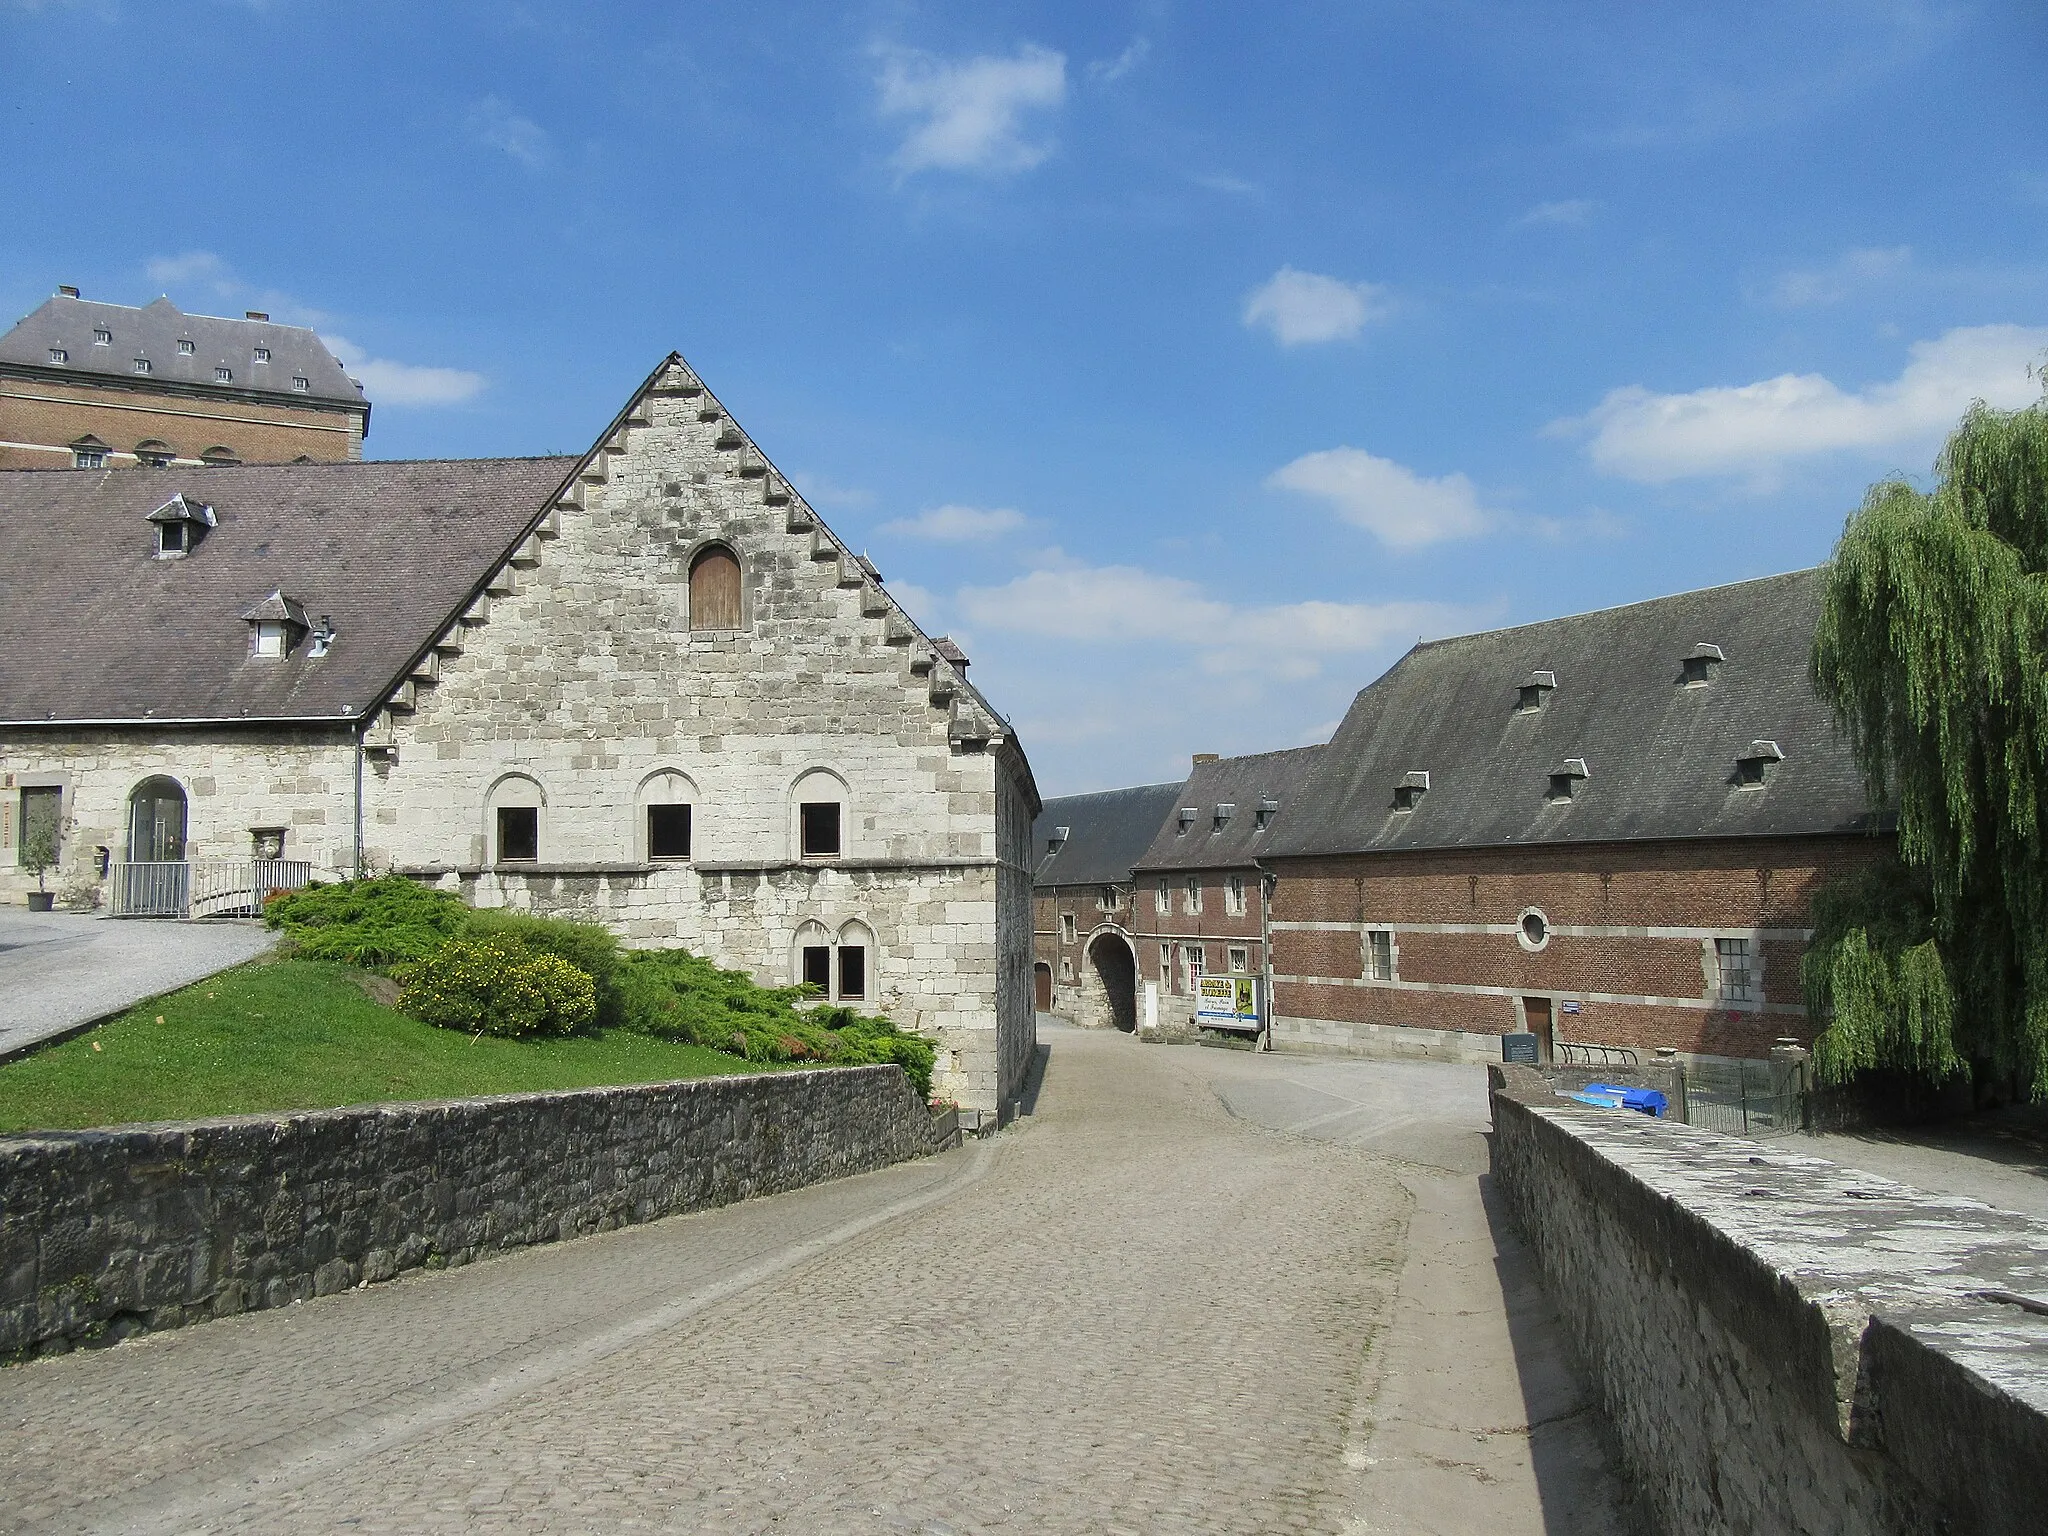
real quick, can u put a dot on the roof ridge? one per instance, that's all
(1588, 613)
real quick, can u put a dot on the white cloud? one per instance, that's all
(1109, 70)
(1303, 307)
(1840, 278)
(1221, 181)
(969, 114)
(1572, 210)
(821, 492)
(954, 524)
(202, 267)
(391, 383)
(493, 124)
(1126, 605)
(1751, 429)
(1404, 509)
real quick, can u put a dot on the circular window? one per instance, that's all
(1534, 932)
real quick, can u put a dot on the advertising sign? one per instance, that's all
(1226, 1001)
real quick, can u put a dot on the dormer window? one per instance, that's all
(301, 383)
(152, 453)
(1263, 817)
(180, 525)
(142, 365)
(1530, 696)
(1409, 792)
(88, 452)
(1223, 815)
(1697, 669)
(102, 338)
(1185, 820)
(1057, 841)
(59, 355)
(184, 349)
(1753, 768)
(224, 374)
(219, 457)
(276, 625)
(261, 354)
(1565, 780)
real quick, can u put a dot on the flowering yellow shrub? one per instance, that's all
(500, 987)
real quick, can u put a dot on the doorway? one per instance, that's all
(1113, 972)
(1536, 1017)
(1041, 986)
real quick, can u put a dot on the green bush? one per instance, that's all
(371, 923)
(499, 987)
(591, 948)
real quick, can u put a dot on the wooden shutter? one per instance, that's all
(715, 590)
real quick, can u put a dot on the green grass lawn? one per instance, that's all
(303, 1034)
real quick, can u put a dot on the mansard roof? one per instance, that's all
(1632, 723)
(154, 331)
(95, 628)
(1106, 833)
(1227, 797)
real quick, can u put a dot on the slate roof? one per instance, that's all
(1659, 757)
(154, 331)
(1106, 833)
(1241, 783)
(94, 628)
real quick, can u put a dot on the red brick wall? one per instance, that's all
(1745, 885)
(54, 413)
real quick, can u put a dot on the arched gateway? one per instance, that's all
(1109, 990)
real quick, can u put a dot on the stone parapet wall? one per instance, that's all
(107, 1233)
(1781, 1344)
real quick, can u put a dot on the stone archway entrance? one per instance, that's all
(1041, 986)
(1110, 991)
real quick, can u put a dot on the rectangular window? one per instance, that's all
(1736, 977)
(818, 967)
(224, 375)
(1194, 896)
(518, 834)
(1108, 898)
(103, 338)
(301, 383)
(269, 639)
(1067, 927)
(59, 355)
(1240, 960)
(821, 829)
(261, 354)
(185, 349)
(1066, 970)
(40, 818)
(142, 365)
(1233, 896)
(88, 458)
(1162, 899)
(853, 971)
(668, 832)
(1191, 967)
(1379, 955)
(1166, 967)
(170, 540)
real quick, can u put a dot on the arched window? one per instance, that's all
(517, 804)
(219, 456)
(667, 802)
(841, 966)
(154, 453)
(818, 806)
(715, 589)
(854, 973)
(156, 822)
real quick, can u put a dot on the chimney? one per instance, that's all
(67, 291)
(1206, 757)
(945, 647)
(254, 314)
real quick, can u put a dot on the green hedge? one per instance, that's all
(503, 972)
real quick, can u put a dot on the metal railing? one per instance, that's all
(1745, 1098)
(1586, 1053)
(201, 887)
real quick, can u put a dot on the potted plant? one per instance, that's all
(39, 855)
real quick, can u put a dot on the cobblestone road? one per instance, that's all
(1161, 1303)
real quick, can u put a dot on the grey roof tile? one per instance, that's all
(95, 628)
(1243, 784)
(154, 331)
(1106, 833)
(1659, 757)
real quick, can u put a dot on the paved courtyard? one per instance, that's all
(62, 969)
(1195, 1290)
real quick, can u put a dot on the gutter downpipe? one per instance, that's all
(361, 726)
(1267, 880)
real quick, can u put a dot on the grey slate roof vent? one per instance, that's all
(945, 647)
(1529, 698)
(869, 566)
(1409, 792)
(1268, 809)
(276, 624)
(324, 636)
(1223, 815)
(1185, 820)
(1564, 779)
(1698, 666)
(180, 525)
(1754, 766)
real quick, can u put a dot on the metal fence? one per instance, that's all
(1582, 1053)
(1746, 1098)
(201, 887)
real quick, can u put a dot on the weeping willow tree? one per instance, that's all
(1933, 651)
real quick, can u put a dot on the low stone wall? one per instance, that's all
(107, 1233)
(1782, 1344)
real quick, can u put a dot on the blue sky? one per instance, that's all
(1186, 363)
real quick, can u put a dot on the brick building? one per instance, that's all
(1086, 954)
(89, 385)
(647, 686)
(1604, 828)
(1201, 897)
